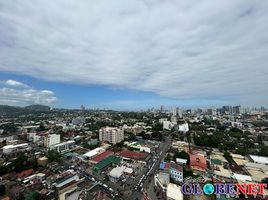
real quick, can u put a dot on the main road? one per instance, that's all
(153, 168)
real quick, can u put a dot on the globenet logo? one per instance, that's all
(199, 187)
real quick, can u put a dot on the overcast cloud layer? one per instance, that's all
(179, 49)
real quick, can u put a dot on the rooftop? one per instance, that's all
(101, 156)
(107, 161)
(241, 177)
(133, 154)
(94, 152)
(259, 159)
(174, 192)
(117, 172)
(198, 162)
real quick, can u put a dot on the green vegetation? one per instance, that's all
(53, 155)
(90, 146)
(33, 196)
(157, 127)
(2, 190)
(19, 164)
(265, 180)
(22, 163)
(263, 151)
(208, 140)
(9, 127)
(228, 157)
(168, 158)
(183, 155)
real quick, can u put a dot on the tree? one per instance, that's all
(2, 190)
(157, 135)
(263, 151)
(157, 127)
(265, 180)
(168, 158)
(20, 163)
(33, 163)
(32, 196)
(182, 155)
(53, 155)
(41, 127)
(228, 157)
(131, 136)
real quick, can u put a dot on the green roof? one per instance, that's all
(216, 161)
(107, 161)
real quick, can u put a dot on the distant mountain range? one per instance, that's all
(7, 110)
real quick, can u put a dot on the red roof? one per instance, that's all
(198, 162)
(133, 154)
(25, 173)
(176, 166)
(167, 165)
(5, 198)
(101, 156)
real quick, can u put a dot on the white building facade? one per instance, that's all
(111, 134)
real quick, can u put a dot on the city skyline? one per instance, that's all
(134, 55)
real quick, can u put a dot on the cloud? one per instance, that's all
(177, 49)
(19, 96)
(13, 83)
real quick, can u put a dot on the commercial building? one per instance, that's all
(64, 146)
(198, 162)
(97, 158)
(133, 155)
(175, 170)
(105, 163)
(8, 149)
(115, 174)
(94, 152)
(111, 134)
(66, 185)
(51, 139)
(161, 181)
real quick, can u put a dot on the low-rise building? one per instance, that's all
(8, 149)
(174, 192)
(259, 159)
(64, 146)
(94, 152)
(161, 180)
(198, 162)
(175, 170)
(116, 173)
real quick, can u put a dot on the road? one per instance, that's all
(133, 188)
(148, 178)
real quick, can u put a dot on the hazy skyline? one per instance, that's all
(134, 54)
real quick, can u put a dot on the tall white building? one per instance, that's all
(51, 139)
(177, 112)
(184, 127)
(111, 134)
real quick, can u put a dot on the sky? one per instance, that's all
(139, 54)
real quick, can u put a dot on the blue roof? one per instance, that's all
(162, 165)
